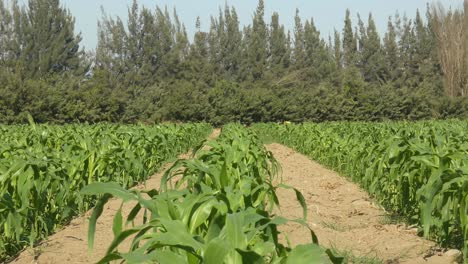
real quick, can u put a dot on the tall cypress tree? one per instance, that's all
(133, 44)
(390, 47)
(425, 68)
(279, 57)
(349, 42)
(407, 43)
(199, 53)
(179, 51)
(317, 56)
(299, 48)
(258, 43)
(6, 35)
(214, 46)
(50, 44)
(111, 53)
(134, 33)
(232, 43)
(164, 45)
(372, 61)
(147, 48)
(337, 54)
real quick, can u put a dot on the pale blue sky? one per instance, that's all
(327, 14)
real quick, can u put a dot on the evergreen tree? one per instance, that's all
(407, 43)
(165, 44)
(148, 52)
(111, 52)
(6, 34)
(231, 43)
(199, 54)
(258, 42)
(299, 48)
(179, 51)
(245, 68)
(214, 43)
(50, 44)
(426, 61)
(337, 54)
(279, 54)
(349, 42)
(390, 47)
(372, 60)
(146, 69)
(133, 45)
(318, 60)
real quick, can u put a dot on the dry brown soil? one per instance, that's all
(341, 214)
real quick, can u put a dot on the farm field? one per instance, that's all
(418, 171)
(235, 176)
(234, 132)
(43, 168)
(220, 208)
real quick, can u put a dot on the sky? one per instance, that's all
(327, 14)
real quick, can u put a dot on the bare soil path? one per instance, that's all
(343, 216)
(70, 245)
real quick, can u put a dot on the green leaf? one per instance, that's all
(117, 223)
(97, 212)
(176, 234)
(201, 214)
(300, 198)
(109, 258)
(168, 257)
(216, 251)
(112, 188)
(306, 254)
(234, 233)
(250, 257)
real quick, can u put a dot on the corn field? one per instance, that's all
(217, 207)
(214, 208)
(417, 170)
(43, 168)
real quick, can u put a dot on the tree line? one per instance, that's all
(147, 69)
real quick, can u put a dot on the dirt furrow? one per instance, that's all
(343, 216)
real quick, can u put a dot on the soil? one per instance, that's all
(341, 214)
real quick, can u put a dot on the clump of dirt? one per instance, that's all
(343, 216)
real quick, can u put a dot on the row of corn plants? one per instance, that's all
(43, 168)
(214, 208)
(418, 170)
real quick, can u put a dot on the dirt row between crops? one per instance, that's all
(341, 214)
(70, 245)
(344, 217)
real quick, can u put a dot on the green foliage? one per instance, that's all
(147, 70)
(418, 170)
(42, 169)
(215, 208)
(39, 39)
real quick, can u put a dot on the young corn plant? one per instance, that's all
(215, 208)
(43, 168)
